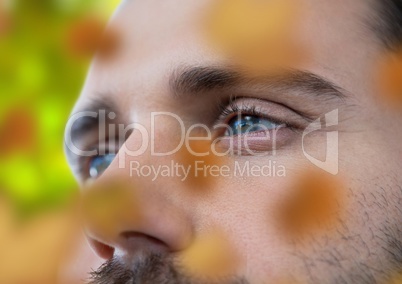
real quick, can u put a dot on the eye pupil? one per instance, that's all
(245, 123)
(99, 164)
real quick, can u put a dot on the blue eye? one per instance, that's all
(99, 164)
(249, 123)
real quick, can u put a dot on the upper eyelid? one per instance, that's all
(252, 112)
(246, 104)
(308, 117)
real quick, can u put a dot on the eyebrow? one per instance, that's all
(194, 80)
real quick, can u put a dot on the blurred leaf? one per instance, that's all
(390, 77)
(37, 247)
(200, 152)
(258, 35)
(107, 206)
(210, 256)
(18, 131)
(313, 204)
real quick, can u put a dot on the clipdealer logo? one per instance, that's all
(331, 162)
(200, 169)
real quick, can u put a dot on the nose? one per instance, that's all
(133, 217)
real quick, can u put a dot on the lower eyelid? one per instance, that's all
(259, 141)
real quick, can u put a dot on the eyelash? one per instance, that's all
(227, 112)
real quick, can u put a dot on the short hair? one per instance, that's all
(388, 23)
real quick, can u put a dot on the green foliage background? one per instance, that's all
(39, 78)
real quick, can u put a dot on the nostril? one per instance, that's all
(136, 241)
(102, 250)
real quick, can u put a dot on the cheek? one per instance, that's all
(369, 166)
(246, 209)
(374, 209)
(372, 167)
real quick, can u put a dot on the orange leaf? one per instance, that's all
(88, 36)
(18, 131)
(390, 78)
(209, 256)
(200, 157)
(108, 206)
(312, 205)
(258, 35)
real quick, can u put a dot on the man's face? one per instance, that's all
(165, 64)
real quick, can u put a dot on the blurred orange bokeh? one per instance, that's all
(390, 78)
(257, 35)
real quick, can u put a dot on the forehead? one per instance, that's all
(158, 36)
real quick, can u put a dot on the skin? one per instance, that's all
(364, 243)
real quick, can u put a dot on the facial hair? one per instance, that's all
(153, 269)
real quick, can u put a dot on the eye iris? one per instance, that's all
(99, 164)
(249, 123)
